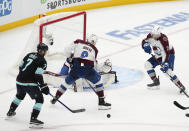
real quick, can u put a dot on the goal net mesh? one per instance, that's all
(64, 28)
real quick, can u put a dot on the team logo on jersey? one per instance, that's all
(5, 7)
(157, 50)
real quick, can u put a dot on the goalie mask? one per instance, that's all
(92, 39)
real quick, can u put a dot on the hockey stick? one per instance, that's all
(180, 106)
(73, 111)
(169, 75)
(91, 86)
(57, 75)
(52, 73)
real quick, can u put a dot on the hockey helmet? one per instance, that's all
(92, 38)
(42, 46)
(156, 30)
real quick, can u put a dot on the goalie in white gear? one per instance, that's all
(105, 70)
(84, 60)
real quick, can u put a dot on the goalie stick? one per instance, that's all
(180, 106)
(73, 111)
(170, 76)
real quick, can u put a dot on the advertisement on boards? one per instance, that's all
(48, 5)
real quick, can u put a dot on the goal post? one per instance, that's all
(62, 19)
(64, 28)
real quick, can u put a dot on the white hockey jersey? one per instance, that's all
(83, 51)
(160, 47)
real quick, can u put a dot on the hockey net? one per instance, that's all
(63, 28)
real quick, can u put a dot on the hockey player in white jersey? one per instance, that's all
(105, 70)
(84, 60)
(164, 55)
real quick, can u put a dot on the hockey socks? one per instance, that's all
(13, 106)
(102, 105)
(152, 74)
(59, 93)
(34, 122)
(177, 82)
(100, 94)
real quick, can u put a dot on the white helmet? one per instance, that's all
(156, 30)
(91, 38)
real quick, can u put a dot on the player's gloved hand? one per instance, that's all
(165, 67)
(147, 48)
(69, 60)
(44, 89)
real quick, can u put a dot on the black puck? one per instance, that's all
(108, 115)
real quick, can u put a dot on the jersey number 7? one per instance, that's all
(29, 61)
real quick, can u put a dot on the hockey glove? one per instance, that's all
(50, 40)
(44, 89)
(165, 67)
(147, 48)
(107, 67)
(69, 60)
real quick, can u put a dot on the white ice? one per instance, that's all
(134, 107)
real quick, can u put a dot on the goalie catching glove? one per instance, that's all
(107, 66)
(49, 39)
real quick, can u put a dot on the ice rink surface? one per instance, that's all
(134, 107)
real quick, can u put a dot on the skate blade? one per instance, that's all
(9, 118)
(36, 126)
(182, 93)
(153, 88)
(104, 108)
